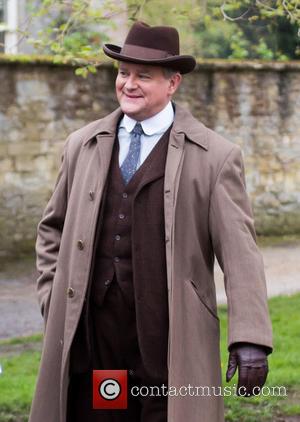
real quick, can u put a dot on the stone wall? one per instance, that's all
(255, 105)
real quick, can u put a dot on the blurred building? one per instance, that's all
(8, 25)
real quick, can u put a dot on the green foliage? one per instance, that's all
(249, 29)
(241, 30)
(239, 46)
(73, 31)
(265, 29)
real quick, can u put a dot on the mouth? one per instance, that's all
(132, 97)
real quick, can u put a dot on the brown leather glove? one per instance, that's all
(252, 364)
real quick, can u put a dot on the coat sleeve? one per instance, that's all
(49, 232)
(234, 242)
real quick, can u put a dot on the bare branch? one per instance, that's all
(229, 17)
(265, 6)
(285, 6)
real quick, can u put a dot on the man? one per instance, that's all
(125, 250)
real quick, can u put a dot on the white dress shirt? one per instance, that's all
(153, 128)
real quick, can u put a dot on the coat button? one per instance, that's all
(80, 244)
(125, 195)
(116, 259)
(61, 342)
(121, 216)
(117, 237)
(106, 282)
(70, 292)
(131, 372)
(91, 195)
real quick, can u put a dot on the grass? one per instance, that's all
(284, 240)
(284, 369)
(19, 358)
(35, 338)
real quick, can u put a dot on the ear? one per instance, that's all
(174, 82)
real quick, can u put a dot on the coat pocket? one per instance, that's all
(203, 300)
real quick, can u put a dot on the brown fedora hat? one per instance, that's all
(154, 45)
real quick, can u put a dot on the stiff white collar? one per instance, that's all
(158, 123)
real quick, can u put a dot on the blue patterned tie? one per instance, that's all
(128, 167)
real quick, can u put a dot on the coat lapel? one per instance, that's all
(105, 132)
(105, 144)
(172, 173)
(185, 126)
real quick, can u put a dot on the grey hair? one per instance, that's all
(169, 72)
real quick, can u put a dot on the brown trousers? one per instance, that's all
(115, 346)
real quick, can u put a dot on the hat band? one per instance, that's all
(137, 51)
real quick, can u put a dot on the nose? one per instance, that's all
(130, 83)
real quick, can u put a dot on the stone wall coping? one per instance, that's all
(202, 64)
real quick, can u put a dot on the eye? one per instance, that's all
(144, 76)
(122, 72)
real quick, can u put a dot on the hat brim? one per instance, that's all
(184, 64)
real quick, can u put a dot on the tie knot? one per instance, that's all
(137, 130)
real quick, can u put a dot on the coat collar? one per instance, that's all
(105, 126)
(184, 123)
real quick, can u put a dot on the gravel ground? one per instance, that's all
(20, 314)
(282, 268)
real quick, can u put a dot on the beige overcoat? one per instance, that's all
(207, 212)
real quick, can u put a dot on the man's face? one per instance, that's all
(143, 90)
